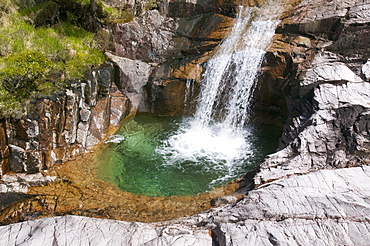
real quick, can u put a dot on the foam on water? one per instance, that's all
(115, 139)
(215, 144)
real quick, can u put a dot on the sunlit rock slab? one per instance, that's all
(334, 136)
(79, 231)
(327, 207)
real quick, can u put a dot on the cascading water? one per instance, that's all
(217, 133)
(159, 157)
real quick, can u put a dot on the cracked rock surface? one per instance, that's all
(75, 230)
(312, 209)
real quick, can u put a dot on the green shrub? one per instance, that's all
(151, 4)
(115, 15)
(23, 76)
(10, 106)
(24, 72)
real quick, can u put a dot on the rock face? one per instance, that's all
(326, 90)
(172, 47)
(309, 209)
(59, 128)
(334, 136)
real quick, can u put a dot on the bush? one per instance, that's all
(24, 72)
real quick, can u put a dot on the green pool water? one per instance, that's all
(132, 159)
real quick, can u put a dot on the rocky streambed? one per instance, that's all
(314, 191)
(73, 188)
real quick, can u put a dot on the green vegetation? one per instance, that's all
(41, 50)
(45, 44)
(114, 15)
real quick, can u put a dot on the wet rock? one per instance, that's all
(205, 27)
(326, 29)
(224, 200)
(20, 182)
(99, 123)
(352, 45)
(120, 108)
(9, 198)
(168, 97)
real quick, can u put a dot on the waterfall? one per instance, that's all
(217, 134)
(228, 82)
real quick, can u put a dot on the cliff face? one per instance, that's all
(326, 89)
(59, 128)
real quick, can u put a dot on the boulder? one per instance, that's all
(133, 76)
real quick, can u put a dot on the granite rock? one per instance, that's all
(133, 76)
(327, 207)
(74, 230)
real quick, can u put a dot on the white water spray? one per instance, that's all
(217, 134)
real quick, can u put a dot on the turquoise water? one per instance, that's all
(132, 159)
